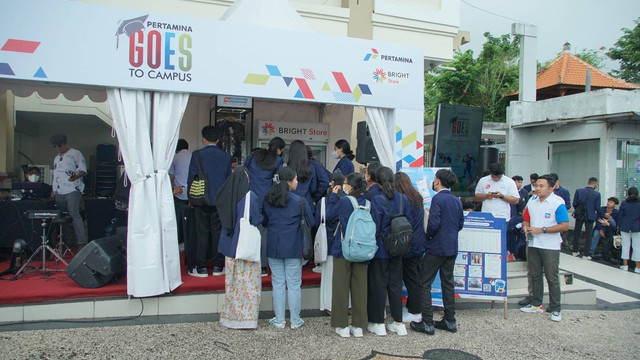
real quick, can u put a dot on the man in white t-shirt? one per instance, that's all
(69, 168)
(497, 192)
(544, 218)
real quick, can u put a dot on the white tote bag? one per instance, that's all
(320, 243)
(248, 237)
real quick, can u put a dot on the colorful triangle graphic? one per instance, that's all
(287, 80)
(40, 73)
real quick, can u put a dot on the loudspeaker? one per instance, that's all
(365, 151)
(99, 262)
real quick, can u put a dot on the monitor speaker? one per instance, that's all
(99, 262)
(365, 151)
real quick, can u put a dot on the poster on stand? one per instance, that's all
(480, 271)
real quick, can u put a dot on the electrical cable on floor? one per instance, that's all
(88, 321)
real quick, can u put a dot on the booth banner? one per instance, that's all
(288, 131)
(73, 42)
(457, 144)
(480, 271)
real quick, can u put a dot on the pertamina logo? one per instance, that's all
(375, 54)
(157, 50)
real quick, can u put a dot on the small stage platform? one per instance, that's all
(53, 295)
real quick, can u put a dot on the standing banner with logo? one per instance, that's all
(457, 144)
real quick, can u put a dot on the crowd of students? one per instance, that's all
(278, 195)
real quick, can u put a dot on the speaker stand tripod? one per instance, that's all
(43, 248)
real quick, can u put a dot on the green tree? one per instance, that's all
(627, 51)
(482, 81)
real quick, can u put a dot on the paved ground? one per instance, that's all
(582, 334)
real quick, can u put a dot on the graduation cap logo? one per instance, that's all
(129, 27)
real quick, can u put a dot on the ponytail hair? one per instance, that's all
(278, 195)
(266, 158)
(343, 145)
(358, 184)
(385, 179)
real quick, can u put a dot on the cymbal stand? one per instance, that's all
(43, 248)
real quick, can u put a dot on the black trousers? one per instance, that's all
(430, 266)
(588, 229)
(411, 278)
(181, 207)
(384, 277)
(208, 229)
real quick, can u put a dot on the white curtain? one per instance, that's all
(381, 123)
(153, 259)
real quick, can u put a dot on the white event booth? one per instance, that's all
(149, 63)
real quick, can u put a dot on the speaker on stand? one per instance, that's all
(365, 151)
(99, 262)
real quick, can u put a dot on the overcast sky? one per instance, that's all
(586, 24)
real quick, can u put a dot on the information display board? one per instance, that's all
(481, 267)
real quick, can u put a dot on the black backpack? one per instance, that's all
(580, 213)
(398, 239)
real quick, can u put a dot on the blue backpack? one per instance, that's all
(359, 241)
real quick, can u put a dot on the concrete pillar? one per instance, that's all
(7, 121)
(528, 53)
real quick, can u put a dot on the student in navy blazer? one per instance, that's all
(629, 224)
(349, 278)
(591, 200)
(282, 216)
(243, 284)
(342, 150)
(446, 219)
(262, 165)
(323, 177)
(307, 178)
(411, 261)
(216, 164)
(373, 188)
(385, 272)
(326, 280)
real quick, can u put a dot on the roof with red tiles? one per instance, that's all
(569, 71)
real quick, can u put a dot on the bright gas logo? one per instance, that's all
(157, 50)
(268, 129)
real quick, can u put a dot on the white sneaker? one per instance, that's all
(556, 316)
(356, 331)
(399, 329)
(636, 270)
(624, 267)
(343, 332)
(576, 254)
(408, 317)
(532, 309)
(586, 257)
(317, 269)
(377, 329)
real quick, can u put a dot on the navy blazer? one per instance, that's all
(331, 225)
(446, 219)
(566, 196)
(416, 219)
(629, 216)
(284, 238)
(382, 218)
(373, 191)
(323, 177)
(308, 187)
(614, 215)
(345, 165)
(592, 205)
(260, 180)
(228, 244)
(527, 188)
(339, 210)
(216, 165)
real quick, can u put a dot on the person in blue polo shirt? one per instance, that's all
(544, 218)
